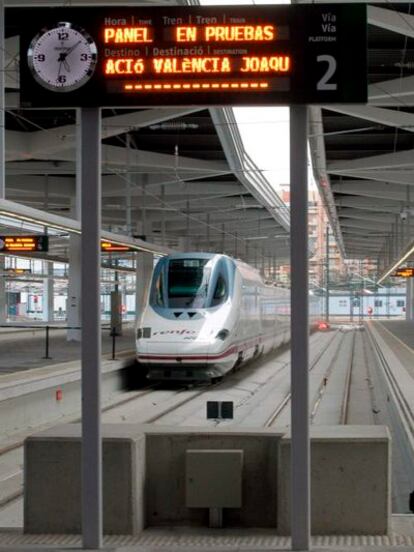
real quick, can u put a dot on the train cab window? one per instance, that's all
(159, 291)
(220, 292)
(187, 283)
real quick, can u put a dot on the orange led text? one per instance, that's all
(265, 64)
(192, 65)
(124, 35)
(124, 66)
(196, 86)
(239, 33)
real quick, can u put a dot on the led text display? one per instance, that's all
(24, 243)
(108, 247)
(406, 272)
(223, 55)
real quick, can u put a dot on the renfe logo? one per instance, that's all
(175, 332)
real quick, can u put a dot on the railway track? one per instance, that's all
(261, 397)
(251, 389)
(11, 455)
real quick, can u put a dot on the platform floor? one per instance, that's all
(25, 349)
(217, 540)
(403, 329)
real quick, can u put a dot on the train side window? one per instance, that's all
(220, 292)
(159, 291)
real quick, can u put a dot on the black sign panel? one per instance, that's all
(109, 247)
(222, 55)
(20, 243)
(404, 272)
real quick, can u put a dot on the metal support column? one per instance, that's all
(3, 297)
(327, 276)
(145, 265)
(409, 299)
(91, 330)
(300, 450)
(2, 105)
(128, 186)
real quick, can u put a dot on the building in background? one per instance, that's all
(321, 239)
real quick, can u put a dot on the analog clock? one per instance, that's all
(62, 58)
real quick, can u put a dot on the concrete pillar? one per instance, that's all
(73, 307)
(409, 300)
(3, 301)
(48, 292)
(2, 105)
(145, 263)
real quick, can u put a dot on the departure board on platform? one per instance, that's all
(20, 243)
(109, 247)
(403, 272)
(175, 55)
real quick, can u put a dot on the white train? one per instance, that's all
(206, 315)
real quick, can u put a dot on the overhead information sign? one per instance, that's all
(226, 55)
(405, 272)
(18, 271)
(108, 247)
(20, 243)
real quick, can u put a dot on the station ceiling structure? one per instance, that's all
(363, 155)
(180, 177)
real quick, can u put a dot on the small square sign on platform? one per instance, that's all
(127, 57)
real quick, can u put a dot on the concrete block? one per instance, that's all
(166, 475)
(350, 481)
(52, 493)
(213, 478)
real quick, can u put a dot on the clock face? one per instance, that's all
(63, 58)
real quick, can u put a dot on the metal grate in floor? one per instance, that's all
(225, 540)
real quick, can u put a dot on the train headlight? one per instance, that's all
(223, 334)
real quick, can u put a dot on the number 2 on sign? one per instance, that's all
(323, 84)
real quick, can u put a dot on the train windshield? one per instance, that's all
(188, 281)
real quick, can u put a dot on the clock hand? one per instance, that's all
(60, 67)
(72, 48)
(63, 61)
(66, 65)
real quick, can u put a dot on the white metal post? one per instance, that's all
(300, 448)
(91, 329)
